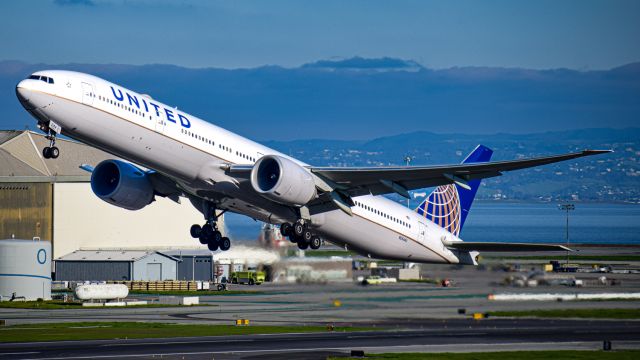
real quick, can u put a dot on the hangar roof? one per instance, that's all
(110, 255)
(21, 158)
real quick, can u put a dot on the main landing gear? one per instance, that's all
(51, 151)
(209, 235)
(301, 234)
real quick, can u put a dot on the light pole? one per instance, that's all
(408, 159)
(566, 207)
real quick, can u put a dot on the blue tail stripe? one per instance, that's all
(448, 205)
(480, 154)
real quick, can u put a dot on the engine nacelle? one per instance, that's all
(122, 184)
(282, 180)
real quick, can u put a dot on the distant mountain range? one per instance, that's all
(362, 98)
(395, 102)
(608, 177)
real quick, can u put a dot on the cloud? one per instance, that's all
(74, 2)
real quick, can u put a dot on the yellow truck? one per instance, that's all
(247, 277)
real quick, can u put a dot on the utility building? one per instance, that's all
(52, 199)
(126, 265)
(193, 265)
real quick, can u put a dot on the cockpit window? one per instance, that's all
(43, 78)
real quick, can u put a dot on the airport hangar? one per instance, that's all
(51, 199)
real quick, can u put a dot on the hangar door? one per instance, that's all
(154, 272)
(26, 210)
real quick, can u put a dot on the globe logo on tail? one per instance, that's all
(442, 207)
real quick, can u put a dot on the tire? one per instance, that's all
(46, 153)
(225, 244)
(303, 245)
(307, 236)
(55, 152)
(212, 246)
(195, 231)
(298, 228)
(206, 234)
(293, 238)
(315, 242)
(234, 281)
(285, 229)
(251, 282)
(216, 237)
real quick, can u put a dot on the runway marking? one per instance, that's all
(20, 353)
(177, 342)
(386, 348)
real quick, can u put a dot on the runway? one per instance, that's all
(426, 335)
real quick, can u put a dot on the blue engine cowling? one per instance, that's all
(122, 184)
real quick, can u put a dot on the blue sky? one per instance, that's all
(581, 34)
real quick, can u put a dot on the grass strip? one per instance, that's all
(141, 330)
(54, 305)
(573, 313)
(510, 355)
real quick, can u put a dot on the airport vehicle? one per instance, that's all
(377, 280)
(175, 155)
(248, 277)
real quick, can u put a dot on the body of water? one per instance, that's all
(522, 222)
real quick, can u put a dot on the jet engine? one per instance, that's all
(122, 184)
(282, 180)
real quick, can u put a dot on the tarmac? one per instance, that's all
(416, 317)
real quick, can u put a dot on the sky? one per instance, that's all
(542, 34)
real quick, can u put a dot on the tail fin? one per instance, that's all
(448, 205)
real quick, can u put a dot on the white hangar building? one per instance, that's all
(52, 199)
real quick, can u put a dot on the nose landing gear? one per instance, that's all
(301, 234)
(209, 235)
(51, 151)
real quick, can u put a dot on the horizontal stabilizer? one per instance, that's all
(499, 246)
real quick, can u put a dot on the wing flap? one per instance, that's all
(356, 179)
(504, 247)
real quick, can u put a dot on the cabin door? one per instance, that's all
(422, 232)
(87, 93)
(160, 122)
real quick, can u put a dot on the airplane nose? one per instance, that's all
(23, 92)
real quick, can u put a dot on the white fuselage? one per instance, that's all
(191, 151)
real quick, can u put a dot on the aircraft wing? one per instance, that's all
(356, 181)
(497, 246)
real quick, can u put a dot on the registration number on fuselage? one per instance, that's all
(402, 238)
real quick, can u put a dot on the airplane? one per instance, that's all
(175, 155)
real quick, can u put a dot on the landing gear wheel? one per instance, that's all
(195, 230)
(298, 228)
(286, 229)
(55, 152)
(315, 242)
(46, 152)
(225, 244)
(213, 246)
(293, 238)
(303, 245)
(307, 235)
(206, 234)
(216, 236)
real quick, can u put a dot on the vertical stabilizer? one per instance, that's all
(448, 205)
